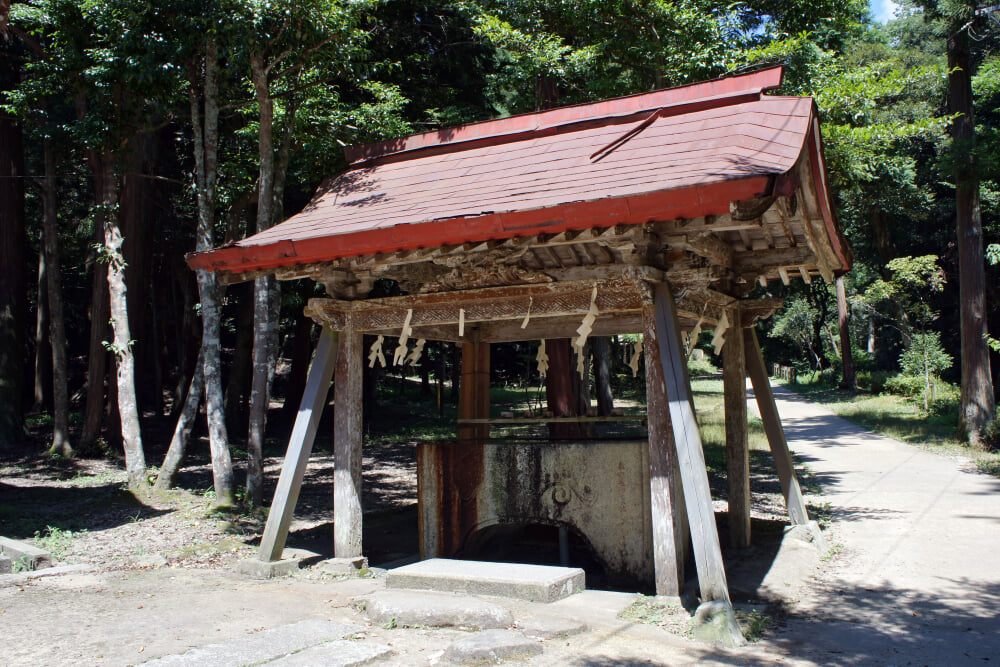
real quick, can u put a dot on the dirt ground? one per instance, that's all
(159, 576)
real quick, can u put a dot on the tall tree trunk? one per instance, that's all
(12, 247)
(263, 311)
(602, 375)
(182, 431)
(128, 409)
(977, 403)
(57, 330)
(559, 393)
(43, 351)
(302, 351)
(238, 382)
(206, 140)
(849, 378)
(137, 230)
(97, 369)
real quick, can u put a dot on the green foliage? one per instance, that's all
(924, 354)
(56, 540)
(700, 365)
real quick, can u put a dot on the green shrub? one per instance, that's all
(873, 381)
(924, 348)
(914, 387)
(702, 366)
(991, 434)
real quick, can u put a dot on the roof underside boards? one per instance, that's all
(702, 182)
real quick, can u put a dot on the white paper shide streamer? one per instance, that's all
(543, 360)
(583, 332)
(719, 339)
(417, 351)
(399, 356)
(633, 363)
(376, 353)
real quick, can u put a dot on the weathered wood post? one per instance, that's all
(474, 392)
(670, 527)
(347, 401)
(734, 379)
(775, 432)
(272, 543)
(694, 476)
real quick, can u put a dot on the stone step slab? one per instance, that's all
(535, 583)
(435, 610)
(492, 646)
(338, 653)
(30, 556)
(260, 647)
(550, 627)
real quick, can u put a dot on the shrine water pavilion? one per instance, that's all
(655, 214)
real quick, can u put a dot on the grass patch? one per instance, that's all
(57, 541)
(755, 624)
(709, 402)
(662, 612)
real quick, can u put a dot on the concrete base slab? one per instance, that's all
(410, 608)
(260, 646)
(291, 561)
(31, 556)
(339, 653)
(550, 627)
(492, 646)
(536, 583)
(343, 565)
(6, 564)
(593, 607)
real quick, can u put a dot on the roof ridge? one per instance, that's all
(717, 92)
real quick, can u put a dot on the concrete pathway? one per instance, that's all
(917, 580)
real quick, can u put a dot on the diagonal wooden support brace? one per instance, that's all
(775, 432)
(299, 447)
(690, 455)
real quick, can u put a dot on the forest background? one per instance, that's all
(132, 133)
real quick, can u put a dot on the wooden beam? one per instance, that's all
(670, 527)
(711, 247)
(347, 446)
(300, 443)
(785, 217)
(775, 432)
(690, 456)
(734, 380)
(755, 262)
(481, 305)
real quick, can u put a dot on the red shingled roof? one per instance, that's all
(682, 152)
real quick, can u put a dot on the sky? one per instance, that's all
(882, 9)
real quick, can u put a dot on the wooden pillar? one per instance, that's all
(775, 433)
(690, 456)
(474, 392)
(272, 543)
(669, 520)
(347, 397)
(734, 380)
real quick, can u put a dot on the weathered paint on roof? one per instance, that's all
(678, 153)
